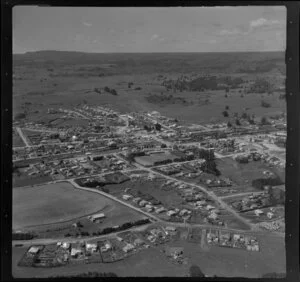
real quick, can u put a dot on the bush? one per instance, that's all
(261, 182)
(264, 121)
(264, 104)
(225, 113)
(195, 271)
(20, 116)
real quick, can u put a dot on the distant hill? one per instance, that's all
(233, 61)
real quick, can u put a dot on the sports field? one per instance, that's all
(52, 203)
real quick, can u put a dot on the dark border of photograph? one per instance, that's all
(293, 120)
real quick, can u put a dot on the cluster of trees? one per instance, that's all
(195, 271)
(124, 226)
(97, 90)
(20, 116)
(154, 98)
(148, 197)
(156, 126)
(130, 157)
(203, 83)
(203, 154)
(276, 196)
(110, 90)
(163, 162)
(232, 82)
(210, 166)
(264, 121)
(259, 183)
(22, 236)
(225, 114)
(114, 178)
(264, 104)
(260, 85)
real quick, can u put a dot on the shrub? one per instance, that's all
(264, 121)
(225, 113)
(264, 104)
(20, 116)
(195, 271)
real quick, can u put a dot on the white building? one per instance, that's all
(258, 212)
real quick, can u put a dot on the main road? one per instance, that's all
(24, 138)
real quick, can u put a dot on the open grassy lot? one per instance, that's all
(243, 174)
(53, 203)
(17, 140)
(153, 187)
(115, 214)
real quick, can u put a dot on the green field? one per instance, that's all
(54, 203)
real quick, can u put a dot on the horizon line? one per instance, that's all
(73, 51)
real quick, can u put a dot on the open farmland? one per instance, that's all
(53, 203)
(39, 86)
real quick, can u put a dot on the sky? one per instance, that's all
(149, 29)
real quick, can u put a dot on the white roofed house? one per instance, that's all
(91, 247)
(96, 217)
(34, 250)
(171, 212)
(128, 248)
(258, 212)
